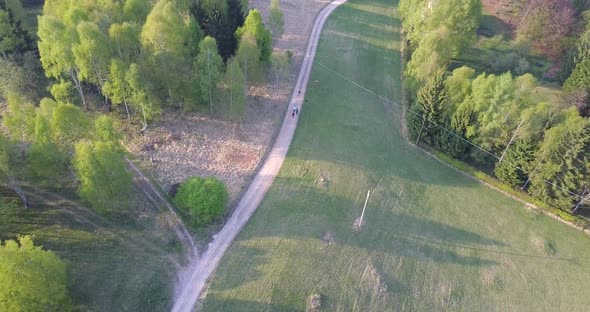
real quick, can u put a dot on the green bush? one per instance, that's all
(203, 199)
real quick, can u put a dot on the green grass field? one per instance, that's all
(120, 262)
(433, 238)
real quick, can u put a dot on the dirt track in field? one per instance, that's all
(197, 274)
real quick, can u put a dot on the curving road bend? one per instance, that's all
(200, 269)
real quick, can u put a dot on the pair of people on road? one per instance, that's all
(295, 111)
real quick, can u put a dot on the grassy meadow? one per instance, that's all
(433, 239)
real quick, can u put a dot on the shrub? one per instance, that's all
(203, 199)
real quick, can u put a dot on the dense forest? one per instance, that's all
(500, 113)
(85, 69)
(131, 59)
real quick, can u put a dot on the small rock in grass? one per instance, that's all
(328, 238)
(322, 180)
(314, 303)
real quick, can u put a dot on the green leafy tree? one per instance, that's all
(105, 131)
(438, 31)
(140, 95)
(19, 119)
(495, 112)
(209, 66)
(44, 157)
(276, 21)
(92, 54)
(432, 53)
(248, 56)
(124, 38)
(280, 65)
(117, 87)
(203, 200)
(13, 78)
(254, 27)
(56, 40)
(458, 88)
(234, 79)
(500, 115)
(22, 74)
(62, 91)
(7, 168)
(460, 17)
(463, 119)
(45, 110)
(32, 279)
(43, 115)
(164, 38)
(194, 35)
(136, 11)
(536, 120)
(69, 125)
(105, 182)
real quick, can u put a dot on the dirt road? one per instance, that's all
(144, 184)
(200, 269)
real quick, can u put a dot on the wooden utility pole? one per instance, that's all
(580, 203)
(421, 128)
(510, 142)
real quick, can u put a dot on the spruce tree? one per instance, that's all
(517, 161)
(431, 99)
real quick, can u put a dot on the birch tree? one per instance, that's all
(7, 170)
(276, 21)
(104, 180)
(92, 55)
(280, 65)
(117, 88)
(32, 279)
(249, 58)
(234, 80)
(124, 39)
(55, 49)
(209, 66)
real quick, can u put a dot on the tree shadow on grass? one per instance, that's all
(215, 303)
(491, 26)
(309, 213)
(252, 256)
(113, 265)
